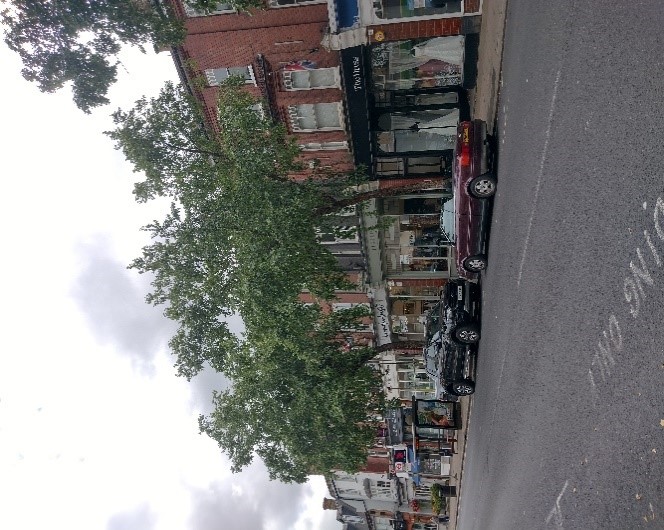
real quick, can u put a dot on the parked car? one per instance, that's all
(465, 218)
(462, 298)
(448, 361)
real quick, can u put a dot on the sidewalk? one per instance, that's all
(483, 105)
(484, 97)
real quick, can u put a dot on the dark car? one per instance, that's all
(465, 218)
(449, 362)
(462, 297)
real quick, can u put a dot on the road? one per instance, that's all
(567, 426)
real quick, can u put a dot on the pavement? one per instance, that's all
(483, 105)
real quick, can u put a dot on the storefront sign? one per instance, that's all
(394, 420)
(355, 76)
(381, 317)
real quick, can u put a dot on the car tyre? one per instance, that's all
(467, 333)
(483, 186)
(463, 387)
(475, 263)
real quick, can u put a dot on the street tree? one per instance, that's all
(299, 400)
(77, 42)
(241, 235)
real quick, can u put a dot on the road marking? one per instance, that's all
(545, 149)
(641, 278)
(556, 512)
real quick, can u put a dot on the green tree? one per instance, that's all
(241, 235)
(300, 401)
(77, 42)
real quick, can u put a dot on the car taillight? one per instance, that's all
(464, 155)
(464, 158)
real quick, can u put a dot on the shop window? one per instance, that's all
(315, 117)
(216, 76)
(421, 205)
(417, 64)
(409, 308)
(424, 130)
(310, 78)
(386, 98)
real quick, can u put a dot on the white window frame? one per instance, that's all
(293, 114)
(213, 81)
(287, 79)
(325, 146)
(192, 12)
(343, 306)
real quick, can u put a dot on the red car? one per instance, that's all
(474, 182)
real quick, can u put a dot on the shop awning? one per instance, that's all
(357, 106)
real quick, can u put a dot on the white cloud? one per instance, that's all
(87, 440)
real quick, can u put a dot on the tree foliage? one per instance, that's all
(242, 237)
(299, 401)
(76, 42)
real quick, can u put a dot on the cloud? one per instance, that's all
(202, 387)
(112, 299)
(249, 501)
(141, 518)
(208, 380)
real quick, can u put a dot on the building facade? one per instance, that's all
(381, 85)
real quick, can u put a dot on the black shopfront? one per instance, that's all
(403, 104)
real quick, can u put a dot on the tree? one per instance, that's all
(299, 401)
(75, 41)
(241, 235)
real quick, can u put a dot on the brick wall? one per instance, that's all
(472, 6)
(282, 36)
(441, 27)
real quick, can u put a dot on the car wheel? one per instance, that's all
(467, 333)
(465, 387)
(475, 263)
(483, 186)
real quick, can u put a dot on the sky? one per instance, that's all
(96, 431)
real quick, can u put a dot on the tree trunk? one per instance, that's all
(338, 204)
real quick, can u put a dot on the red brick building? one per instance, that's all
(376, 83)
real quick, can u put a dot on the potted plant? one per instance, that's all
(438, 502)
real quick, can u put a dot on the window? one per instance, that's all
(259, 109)
(294, 3)
(216, 76)
(324, 146)
(381, 488)
(315, 117)
(417, 64)
(415, 8)
(309, 79)
(219, 9)
(342, 306)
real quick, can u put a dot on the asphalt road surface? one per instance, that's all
(567, 426)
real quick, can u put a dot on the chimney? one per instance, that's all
(329, 504)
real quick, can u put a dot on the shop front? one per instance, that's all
(404, 100)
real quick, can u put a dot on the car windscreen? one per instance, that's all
(447, 220)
